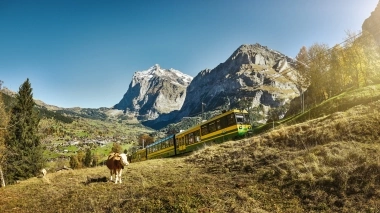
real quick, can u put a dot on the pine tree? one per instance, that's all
(3, 132)
(24, 157)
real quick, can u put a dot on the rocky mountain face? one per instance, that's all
(253, 73)
(372, 24)
(154, 92)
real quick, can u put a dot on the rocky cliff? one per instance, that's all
(252, 72)
(154, 92)
(372, 24)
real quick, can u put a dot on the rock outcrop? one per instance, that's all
(372, 24)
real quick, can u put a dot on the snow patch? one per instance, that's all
(156, 70)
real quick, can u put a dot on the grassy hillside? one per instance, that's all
(326, 164)
(338, 103)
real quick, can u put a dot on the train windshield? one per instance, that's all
(242, 118)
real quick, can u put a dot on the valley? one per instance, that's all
(63, 140)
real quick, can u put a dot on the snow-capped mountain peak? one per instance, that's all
(156, 70)
(155, 91)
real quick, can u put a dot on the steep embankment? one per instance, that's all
(339, 103)
(327, 164)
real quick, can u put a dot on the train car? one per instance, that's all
(162, 148)
(188, 140)
(227, 126)
(230, 125)
(139, 155)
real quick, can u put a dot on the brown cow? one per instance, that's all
(116, 163)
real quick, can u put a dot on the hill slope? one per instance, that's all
(327, 164)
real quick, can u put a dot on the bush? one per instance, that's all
(74, 163)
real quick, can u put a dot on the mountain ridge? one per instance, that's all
(253, 73)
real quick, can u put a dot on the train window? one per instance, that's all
(191, 138)
(223, 122)
(239, 118)
(211, 127)
(196, 135)
(218, 125)
(204, 130)
(231, 119)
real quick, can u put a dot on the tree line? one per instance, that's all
(325, 72)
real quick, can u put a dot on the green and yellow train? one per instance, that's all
(227, 126)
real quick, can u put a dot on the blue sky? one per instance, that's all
(84, 52)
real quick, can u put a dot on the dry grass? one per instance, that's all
(167, 185)
(330, 164)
